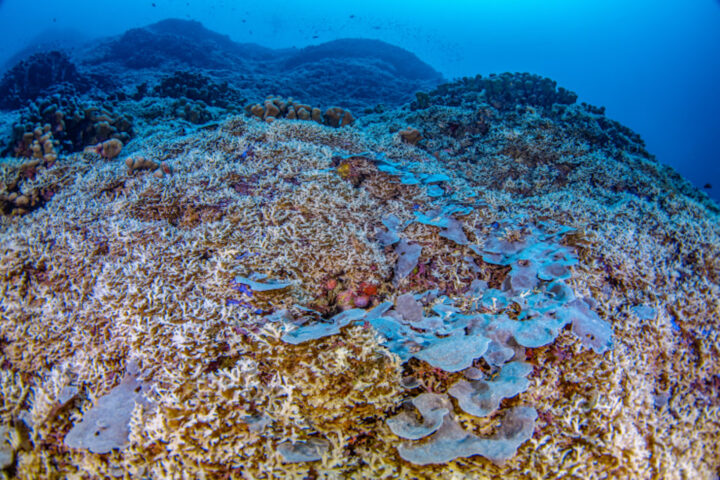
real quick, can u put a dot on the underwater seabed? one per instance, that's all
(450, 290)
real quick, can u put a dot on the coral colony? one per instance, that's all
(482, 280)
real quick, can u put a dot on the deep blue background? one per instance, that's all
(655, 65)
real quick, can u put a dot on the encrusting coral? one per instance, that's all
(201, 276)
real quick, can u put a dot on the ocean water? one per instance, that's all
(359, 240)
(654, 65)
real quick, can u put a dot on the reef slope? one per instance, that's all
(137, 338)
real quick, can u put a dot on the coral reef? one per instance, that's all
(38, 144)
(196, 86)
(227, 286)
(142, 163)
(492, 282)
(108, 149)
(410, 135)
(179, 70)
(537, 149)
(41, 74)
(26, 185)
(504, 92)
(74, 124)
(278, 107)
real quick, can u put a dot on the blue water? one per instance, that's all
(655, 65)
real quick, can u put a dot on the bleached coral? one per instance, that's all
(118, 264)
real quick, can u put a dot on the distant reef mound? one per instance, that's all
(173, 43)
(396, 59)
(355, 73)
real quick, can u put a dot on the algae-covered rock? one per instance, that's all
(7, 452)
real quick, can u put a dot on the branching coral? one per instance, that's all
(120, 266)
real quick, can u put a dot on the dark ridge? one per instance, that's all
(174, 44)
(144, 48)
(190, 29)
(196, 32)
(401, 61)
(353, 73)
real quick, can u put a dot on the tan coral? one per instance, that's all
(338, 117)
(141, 163)
(275, 107)
(410, 135)
(108, 149)
(118, 264)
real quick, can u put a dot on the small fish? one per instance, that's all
(249, 152)
(707, 185)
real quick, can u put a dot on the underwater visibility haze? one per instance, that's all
(359, 239)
